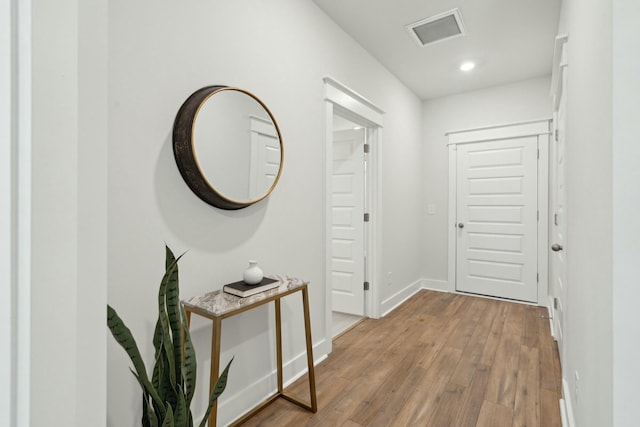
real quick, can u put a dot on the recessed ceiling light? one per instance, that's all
(468, 66)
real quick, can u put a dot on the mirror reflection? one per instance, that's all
(236, 145)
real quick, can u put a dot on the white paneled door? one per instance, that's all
(265, 156)
(347, 233)
(497, 218)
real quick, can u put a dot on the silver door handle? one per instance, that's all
(556, 247)
(460, 225)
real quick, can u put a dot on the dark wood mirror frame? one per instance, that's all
(183, 150)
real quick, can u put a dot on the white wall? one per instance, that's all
(62, 146)
(159, 53)
(626, 204)
(526, 100)
(588, 246)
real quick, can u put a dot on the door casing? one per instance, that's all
(541, 129)
(341, 100)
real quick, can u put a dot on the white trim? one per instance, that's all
(327, 150)
(539, 128)
(7, 204)
(552, 314)
(502, 131)
(231, 408)
(451, 219)
(344, 101)
(374, 239)
(543, 219)
(22, 299)
(435, 285)
(395, 300)
(566, 409)
(351, 100)
(559, 65)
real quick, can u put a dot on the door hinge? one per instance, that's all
(556, 135)
(538, 277)
(366, 286)
(538, 153)
(538, 215)
(366, 217)
(366, 148)
(555, 219)
(555, 303)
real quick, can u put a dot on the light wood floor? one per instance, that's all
(438, 360)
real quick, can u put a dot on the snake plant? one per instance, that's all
(167, 395)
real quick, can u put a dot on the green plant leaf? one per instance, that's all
(149, 418)
(168, 419)
(221, 384)
(189, 369)
(180, 417)
(165, 389)
(172, 293)
(168, 381)
(123, 336)
(154, 408)
(166, 343)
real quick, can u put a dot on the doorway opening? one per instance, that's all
(352, 193)
(348, 226)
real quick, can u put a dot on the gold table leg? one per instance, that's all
(307, 332)
(215, 367)
(279, 345)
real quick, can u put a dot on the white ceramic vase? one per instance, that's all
(253, 274)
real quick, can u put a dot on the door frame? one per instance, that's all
(558, 91)
(8, 209)
(342, 100)
(540, 128)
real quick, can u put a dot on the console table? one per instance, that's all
(218, 305)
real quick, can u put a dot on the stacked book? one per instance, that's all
(243, 290)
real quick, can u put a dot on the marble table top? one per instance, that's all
(216, 303)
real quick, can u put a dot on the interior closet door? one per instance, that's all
(497, 218)
(347, 233)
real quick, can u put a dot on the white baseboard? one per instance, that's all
(566, 411)
(230, 408)
(391, 303)
(435, 285)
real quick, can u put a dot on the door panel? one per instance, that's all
(265, 157)
(497, 212)
(347, 234)
(558, 223)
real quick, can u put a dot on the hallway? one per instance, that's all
(438, 360)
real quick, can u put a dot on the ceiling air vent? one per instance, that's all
(436, 28)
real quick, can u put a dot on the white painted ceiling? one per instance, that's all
(510, 40)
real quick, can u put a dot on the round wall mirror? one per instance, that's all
(228, 147)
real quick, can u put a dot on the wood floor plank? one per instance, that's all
(549, 408)
(474, 349)
(549, 365)
(421, 405)
(526, 410)
(504, 371)
(531, 327)
(494, 415)
(473, 398)
(438, 360)
(448, 405)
